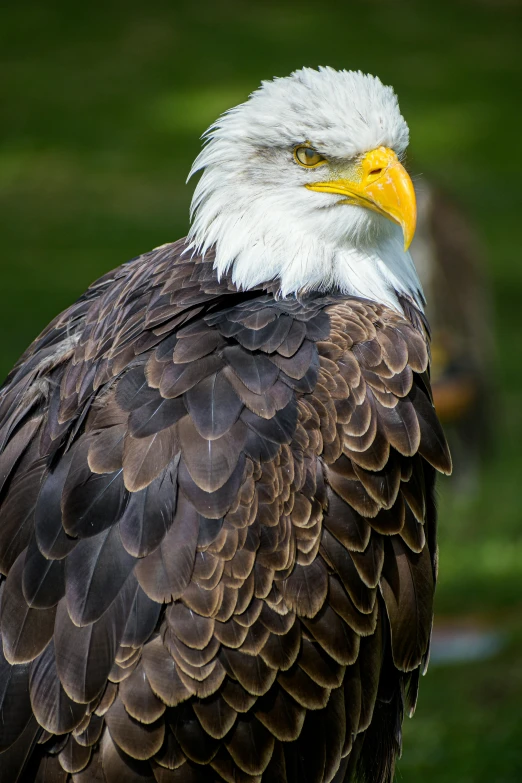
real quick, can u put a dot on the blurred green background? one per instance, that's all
(103, 105)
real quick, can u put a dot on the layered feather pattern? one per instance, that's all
(216, 533)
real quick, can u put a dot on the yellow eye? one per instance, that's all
(307, 156)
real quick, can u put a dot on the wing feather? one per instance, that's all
(217, 528)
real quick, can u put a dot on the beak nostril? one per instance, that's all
(375, 171)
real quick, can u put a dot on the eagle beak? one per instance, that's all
(380, 183)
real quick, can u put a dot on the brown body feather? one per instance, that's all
(217, 534)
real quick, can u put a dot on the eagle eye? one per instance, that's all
(308, 157)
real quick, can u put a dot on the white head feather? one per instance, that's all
(251, 205)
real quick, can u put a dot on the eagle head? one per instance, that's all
(303, 184)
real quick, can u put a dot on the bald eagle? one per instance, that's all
(217, 518)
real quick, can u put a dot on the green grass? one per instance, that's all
(103, 104)
(467, 725)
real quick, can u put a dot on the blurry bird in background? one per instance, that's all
(449, 259)
(217, 467)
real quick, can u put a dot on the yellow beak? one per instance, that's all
(381, 183)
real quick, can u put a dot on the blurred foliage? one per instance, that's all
(467, 725)
(103, 104)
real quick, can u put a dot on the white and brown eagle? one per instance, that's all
(217, 520)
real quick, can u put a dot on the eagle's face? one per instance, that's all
(304, 181)
(375, 180)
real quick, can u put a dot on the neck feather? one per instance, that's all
(258, 240)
